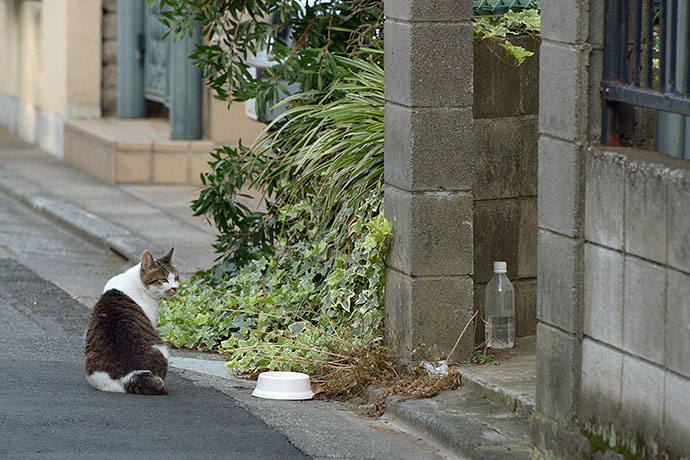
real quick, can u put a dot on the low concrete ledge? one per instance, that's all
(134, 151)
(467, 424)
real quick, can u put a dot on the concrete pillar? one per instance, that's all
(428, 177)
(571, 60)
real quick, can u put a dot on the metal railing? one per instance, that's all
(646, 46)
(491, 7)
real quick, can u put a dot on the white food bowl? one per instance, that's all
(283, 385)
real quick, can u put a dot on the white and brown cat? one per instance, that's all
(123, 351)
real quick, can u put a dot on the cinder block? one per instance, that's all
(604, 198)
(527, 245)
(556, 274)
(678, 322)
(676, 427)
(560, 83)
(595, 34)
(428, 149)
(642, 398)
(525, 307)
(595, 69)
(479, 294)
(562, 20)
(424, 316)
(109, 27)
(603, 315)
(497, 150)
(422, 10)
(432, 232)
(529, 75)
(109, 102)
(558, 185)
(428, 64)
(679, 219)
(110, 6)
(558, 373)
(643, 309)
(645, 209)
(602, 374)
(496, 82)
(109, 51)
(170, 168)
(496, 237)
(109, 76)
(529, 155)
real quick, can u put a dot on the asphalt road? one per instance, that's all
(48, 410)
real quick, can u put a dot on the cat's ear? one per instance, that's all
(147, 261)
(167, 259)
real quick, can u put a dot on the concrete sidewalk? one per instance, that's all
(126, 221)
(479, 420)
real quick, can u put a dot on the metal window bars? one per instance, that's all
(646, 62)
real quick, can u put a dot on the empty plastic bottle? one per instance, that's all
(499, 309)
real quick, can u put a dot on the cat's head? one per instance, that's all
(159, 276)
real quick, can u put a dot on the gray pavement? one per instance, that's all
(49, 410)
(103, 229)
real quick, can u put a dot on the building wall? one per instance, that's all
(47, 49)
(504, 142)
(613, 295)
(636, 349)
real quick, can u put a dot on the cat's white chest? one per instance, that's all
(130, 284)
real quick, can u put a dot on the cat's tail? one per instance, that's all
(144, 383)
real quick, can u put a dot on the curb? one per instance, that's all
(505, 397)
(85, 224)
(475, 428)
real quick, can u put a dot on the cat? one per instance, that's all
(123, 352)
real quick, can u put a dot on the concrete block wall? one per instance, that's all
(636, 348)
(428, 174)
(613, 298)
(504, 145)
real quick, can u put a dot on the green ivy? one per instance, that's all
(295, 309)
(499, 28)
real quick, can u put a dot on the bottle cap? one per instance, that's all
(500, 267)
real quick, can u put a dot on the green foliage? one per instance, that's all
(326, 149)
(484, 358)
(299, 286)
(296, 309)
(499, 28)
(301, 38)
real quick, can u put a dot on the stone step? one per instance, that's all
(509, 379)
(136, 151)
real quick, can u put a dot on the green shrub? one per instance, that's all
(326, 149)
(301, 308)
